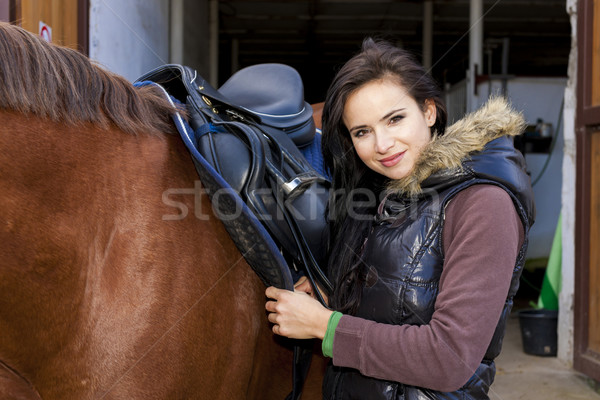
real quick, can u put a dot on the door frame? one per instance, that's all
(587, 121)
(83, 26)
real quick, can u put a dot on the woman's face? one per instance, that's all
(387, 127)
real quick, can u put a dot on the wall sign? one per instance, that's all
(45, 32)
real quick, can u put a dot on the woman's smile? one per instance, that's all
(392, 160)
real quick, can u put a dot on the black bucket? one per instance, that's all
(538, 330)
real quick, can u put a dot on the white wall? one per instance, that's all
(129, 37)
(565, 300)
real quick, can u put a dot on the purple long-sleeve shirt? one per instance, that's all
(482, 235)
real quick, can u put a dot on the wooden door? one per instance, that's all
(587, 235)
(67, 20)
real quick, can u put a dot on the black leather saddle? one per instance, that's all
(244, 139)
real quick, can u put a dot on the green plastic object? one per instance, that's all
(552, 279)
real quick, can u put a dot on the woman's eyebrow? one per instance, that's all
(386, 116)
(356, 128)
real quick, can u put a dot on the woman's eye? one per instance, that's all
(396, 118)
(360, 132)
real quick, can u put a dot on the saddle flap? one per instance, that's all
(228, 155)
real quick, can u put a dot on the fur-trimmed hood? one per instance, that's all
(463, 138)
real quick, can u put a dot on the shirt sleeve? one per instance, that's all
(481, 238)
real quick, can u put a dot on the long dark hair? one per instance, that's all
(356, 188)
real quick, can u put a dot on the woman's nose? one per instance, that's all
(383, 142)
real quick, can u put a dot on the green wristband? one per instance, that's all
(327, 346)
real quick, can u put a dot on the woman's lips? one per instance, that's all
(393, 160)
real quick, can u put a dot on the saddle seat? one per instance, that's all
(275, 93)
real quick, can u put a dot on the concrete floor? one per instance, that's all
(523, 376)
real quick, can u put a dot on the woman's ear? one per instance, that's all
(430, 112)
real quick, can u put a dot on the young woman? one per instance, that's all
(428, 236)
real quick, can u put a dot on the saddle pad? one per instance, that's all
(313, 154)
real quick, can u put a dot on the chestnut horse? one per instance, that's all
(116, 279)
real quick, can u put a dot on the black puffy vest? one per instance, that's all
(405, 248)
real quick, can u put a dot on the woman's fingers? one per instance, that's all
(270, 306)
(272, 292)
(272, 317)
(303, 285)
(300, 282)
(296, 314)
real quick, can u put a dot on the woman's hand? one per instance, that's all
(296, 314)
(303, 285)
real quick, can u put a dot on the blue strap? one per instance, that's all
(143, 83)
(204, 129)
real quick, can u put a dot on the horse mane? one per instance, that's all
(62, 84)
